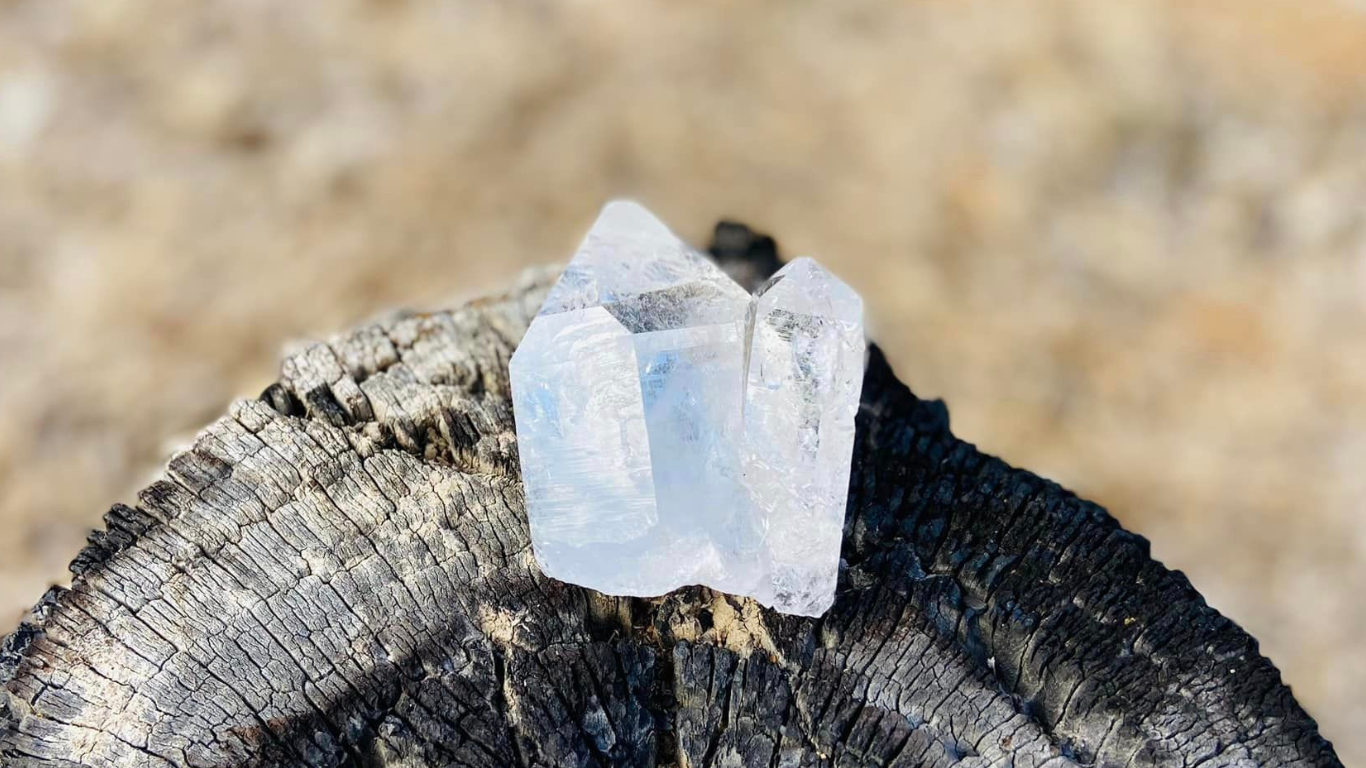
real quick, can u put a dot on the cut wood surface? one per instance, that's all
(339, 573)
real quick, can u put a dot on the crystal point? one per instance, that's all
(674, 430)
(629, 254)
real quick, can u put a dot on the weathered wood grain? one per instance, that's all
(339, 574)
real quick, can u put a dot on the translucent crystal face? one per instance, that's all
(674, 430)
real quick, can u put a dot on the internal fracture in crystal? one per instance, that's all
(675, 430)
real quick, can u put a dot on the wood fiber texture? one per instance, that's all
(339, 573)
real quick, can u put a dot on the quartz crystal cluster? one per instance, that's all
(675, 430)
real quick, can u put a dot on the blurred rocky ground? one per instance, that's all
(1125, 241)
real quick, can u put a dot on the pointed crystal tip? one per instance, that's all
(629, 253)
(631, 218)
(804, 286)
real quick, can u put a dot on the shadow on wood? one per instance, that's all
(339, 574)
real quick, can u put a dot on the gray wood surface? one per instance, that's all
(339, 574)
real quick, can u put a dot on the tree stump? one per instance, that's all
(339, 574)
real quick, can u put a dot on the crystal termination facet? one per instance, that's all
(675, 430)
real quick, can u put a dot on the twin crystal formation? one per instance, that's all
(675, 430)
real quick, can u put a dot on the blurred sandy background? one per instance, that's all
(1126, 241)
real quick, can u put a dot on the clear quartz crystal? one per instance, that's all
(674, 430)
